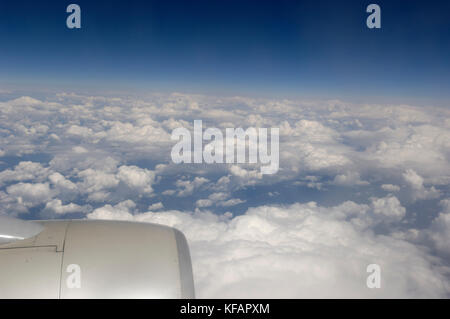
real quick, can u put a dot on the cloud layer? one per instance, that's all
(358, 184)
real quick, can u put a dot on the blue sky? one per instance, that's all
(305, 48)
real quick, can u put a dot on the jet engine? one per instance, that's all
(69, 259)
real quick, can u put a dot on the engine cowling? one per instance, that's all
(97, 259)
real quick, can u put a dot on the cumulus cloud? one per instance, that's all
(30, 194)
(96, 183)
(137, 178)
(302, 251)
(121, 211)
(24, 171)
(388, 208)
(439, 231)
(419, 191)
(56, 207)
(64, 186)
(156, 206)
(349, 179)
(187, 187)
(249, 176)
(251, 235)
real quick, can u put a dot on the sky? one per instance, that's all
(295, 48)
(87, 116)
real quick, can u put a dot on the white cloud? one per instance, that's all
(301, 251)
(388, 208)
(65, 151)
(137, 178)
(249, 176)
(30, 194)
(349, 179)
(219, 199)
(96, 183)
(440, 229)
(156, 206)
(25, 101)
(61, 183)
(231, 202)
(390, 187)
(204, 203)
(419, 191)
(80, 131)
(218, 196)
(121, 211)
(23, 171)
(187, 187)
(57, 207)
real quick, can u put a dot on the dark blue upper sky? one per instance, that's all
(309, 48)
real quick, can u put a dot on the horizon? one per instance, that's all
(305, 48)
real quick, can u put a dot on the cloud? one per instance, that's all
(187, 187)
(220, 199)
(61, 183)
(231, 202)
(156, 206)
(30, 194)
(297, 251)
(97, 183)
(248, 176)
(79, 131)
(390, 187)
(388, 208)
(56, 207)
(204, 203)
(439, 231)
(349, 179)
(307, 231)
(419, 191)
(137, 178)
(121, 211)
(25, 170)
(25, 101)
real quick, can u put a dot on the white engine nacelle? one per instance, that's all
(97, 259)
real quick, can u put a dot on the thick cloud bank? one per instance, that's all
(357, 185)
(302, 250)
